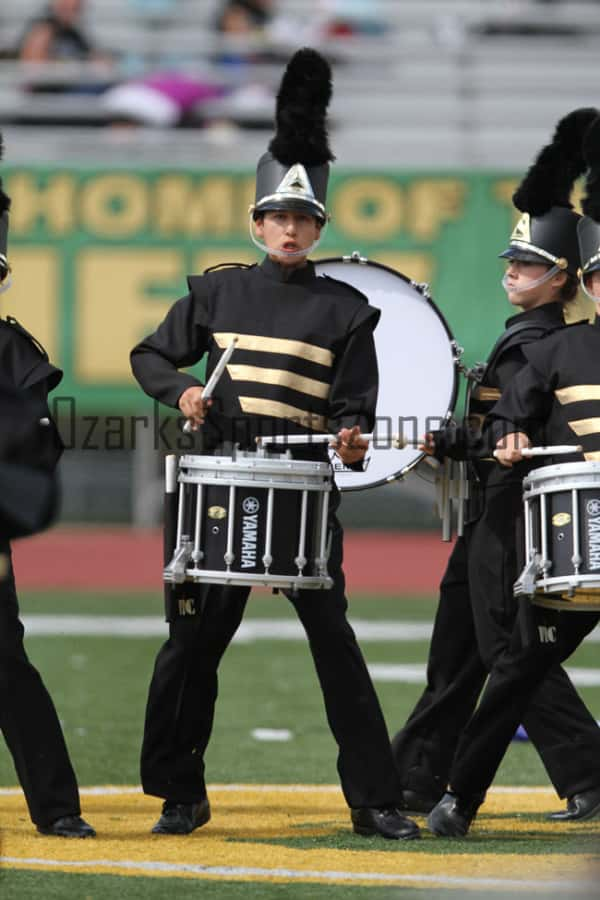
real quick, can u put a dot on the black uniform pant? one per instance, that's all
(473, 627)
(514, 683)
(183, 692)
(29, 722)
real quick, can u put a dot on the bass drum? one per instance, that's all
(418, 368)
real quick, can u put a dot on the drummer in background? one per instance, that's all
(476, 608)
(30, 444)
(554, 399)
(304, 363)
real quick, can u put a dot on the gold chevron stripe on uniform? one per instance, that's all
(281, 377)
(592, 455)
(261, 407)
(577, 393)
(276, 345)
(487, 393)
(586, 426)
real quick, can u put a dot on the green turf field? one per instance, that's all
(99, 686)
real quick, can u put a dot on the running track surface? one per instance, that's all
(116, 559)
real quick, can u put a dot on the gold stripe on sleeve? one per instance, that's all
(577, 393)
(261, 407)
(582, 427)
(487, 393)
(276, 345)
(592, 455)
(281, 377)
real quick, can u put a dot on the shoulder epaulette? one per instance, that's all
(228, 265)
(13, 323)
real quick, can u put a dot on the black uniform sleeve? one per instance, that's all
(509, 363)
(179, 341)
(353, 394)
(458, 442)
(525, 404)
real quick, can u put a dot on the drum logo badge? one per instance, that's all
(250, 507)
(592, 509)
(560, 519)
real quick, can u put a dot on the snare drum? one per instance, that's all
(251, 519)
(562, 537)
(411, 331)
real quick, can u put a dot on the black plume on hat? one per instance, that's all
(591, 151)
(302, 101)
(550, 179)
(4, 199)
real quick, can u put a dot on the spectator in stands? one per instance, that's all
(242, 24)
(244, 16)
(160, 100)
(57, 34)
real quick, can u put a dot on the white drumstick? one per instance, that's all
(395, 440)
(558, 450)
(216, 374)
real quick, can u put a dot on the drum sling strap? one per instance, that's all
(475, 376)
(537, 331)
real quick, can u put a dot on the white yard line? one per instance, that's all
(116, 789)
(250, 630)
(415, 673)
(300, 874)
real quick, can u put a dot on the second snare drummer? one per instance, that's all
(476, 608)
(555, 399)
(304, 363)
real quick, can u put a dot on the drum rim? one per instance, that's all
(567, 469)
(315, 468)
(365, 261)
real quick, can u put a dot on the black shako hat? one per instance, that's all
(588, 229)
(547, 230)
(4, 207)
(294, 172)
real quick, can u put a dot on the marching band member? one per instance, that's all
(28, 719)
(476, 608)
(555, 398)
(305, 359)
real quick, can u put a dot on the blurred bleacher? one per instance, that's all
(465, 83)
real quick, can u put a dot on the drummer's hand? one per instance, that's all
(350, 446)
(427, 444)
(508, 449)
(193, 406)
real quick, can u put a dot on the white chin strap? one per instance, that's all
(532, 284)
(284, 254)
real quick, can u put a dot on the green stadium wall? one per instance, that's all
(99, 255)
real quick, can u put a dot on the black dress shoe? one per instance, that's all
(182, 818)
(69, 827)
(580, 807)
(414, 802)
(453, 815)
(388, 823)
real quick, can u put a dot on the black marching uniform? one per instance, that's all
(28, 719)
(547, 399)
(305, 361)
(476, 612)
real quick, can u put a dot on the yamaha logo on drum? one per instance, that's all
(250, 507)
(592, 509)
